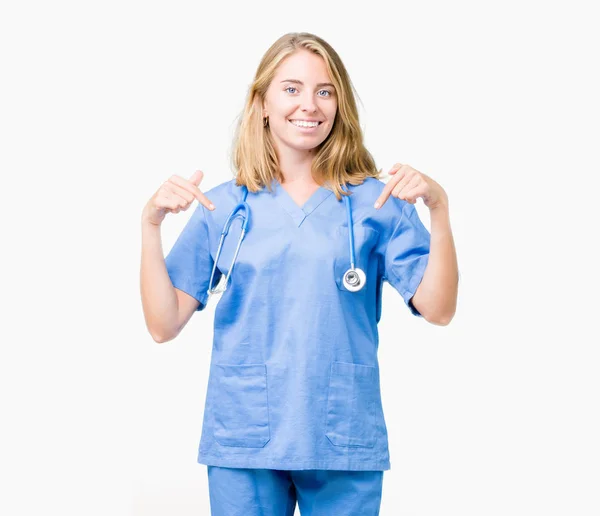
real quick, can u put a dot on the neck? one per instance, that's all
(296, 166)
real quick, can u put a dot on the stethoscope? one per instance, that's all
(354, 278)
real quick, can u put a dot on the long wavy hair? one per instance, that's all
(342, 158)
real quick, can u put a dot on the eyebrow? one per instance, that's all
(296, 81)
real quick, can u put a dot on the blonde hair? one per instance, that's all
(341, 158)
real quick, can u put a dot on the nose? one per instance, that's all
(308, 103)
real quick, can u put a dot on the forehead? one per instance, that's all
(303, 65)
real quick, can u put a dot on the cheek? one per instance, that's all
(331, 113)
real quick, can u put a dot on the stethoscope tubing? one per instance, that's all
(350, 230)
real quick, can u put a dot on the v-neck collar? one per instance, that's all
(298, 213)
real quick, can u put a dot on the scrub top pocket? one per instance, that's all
(353, 404)
(241, 408)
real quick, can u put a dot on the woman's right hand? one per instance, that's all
(174, 195)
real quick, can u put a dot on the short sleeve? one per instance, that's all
(189, 262)
(407, 254)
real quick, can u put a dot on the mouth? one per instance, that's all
(305, 128)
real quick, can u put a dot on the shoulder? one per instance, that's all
(222, 191)
(364, 197)
(369, 185)
(371, 188)
(224, 196)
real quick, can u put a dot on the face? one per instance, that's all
(300, 90)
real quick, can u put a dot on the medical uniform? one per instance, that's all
(270, 492)
(294, 375)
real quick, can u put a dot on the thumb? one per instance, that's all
(196, 177)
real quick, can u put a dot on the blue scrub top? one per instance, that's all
(294, 375)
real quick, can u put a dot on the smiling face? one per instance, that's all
(300, 90)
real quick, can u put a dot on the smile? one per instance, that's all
(305, 125)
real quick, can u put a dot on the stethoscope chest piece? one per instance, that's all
(354, 279)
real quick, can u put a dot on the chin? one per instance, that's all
(312, 146)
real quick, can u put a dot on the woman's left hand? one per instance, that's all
(409, 184)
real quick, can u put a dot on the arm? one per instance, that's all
(166, 309)
(436, 295)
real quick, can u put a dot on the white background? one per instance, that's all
(495, 414)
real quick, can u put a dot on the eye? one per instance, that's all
(327, 91)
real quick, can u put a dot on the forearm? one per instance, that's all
(159, 300)
(439, 290)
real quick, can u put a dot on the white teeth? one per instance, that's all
(300, 123)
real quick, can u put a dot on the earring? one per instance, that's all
(265, 121)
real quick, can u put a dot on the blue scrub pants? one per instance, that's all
(273, 492)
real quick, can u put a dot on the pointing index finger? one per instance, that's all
(194, 190)
(385, 193)
(202, 199)
(389, 186)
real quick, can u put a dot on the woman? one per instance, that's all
(293, 409)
